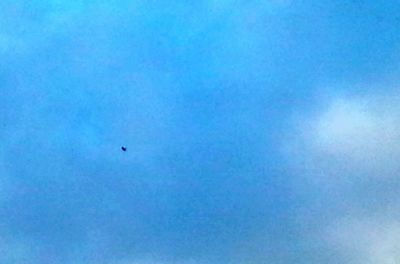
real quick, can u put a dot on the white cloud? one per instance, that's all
(350, 136)
(366, 240)
(349, 148)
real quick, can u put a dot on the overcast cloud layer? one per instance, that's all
(257, 132)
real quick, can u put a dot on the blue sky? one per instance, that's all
(257, 132)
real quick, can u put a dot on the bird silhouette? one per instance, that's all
(123, 148)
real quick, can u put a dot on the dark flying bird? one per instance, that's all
(123, 148)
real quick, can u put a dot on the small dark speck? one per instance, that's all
(123, 148)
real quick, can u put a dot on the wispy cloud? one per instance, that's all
(353, 135)
(366, 240)
(345, 156)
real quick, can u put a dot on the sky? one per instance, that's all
(256, 132)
